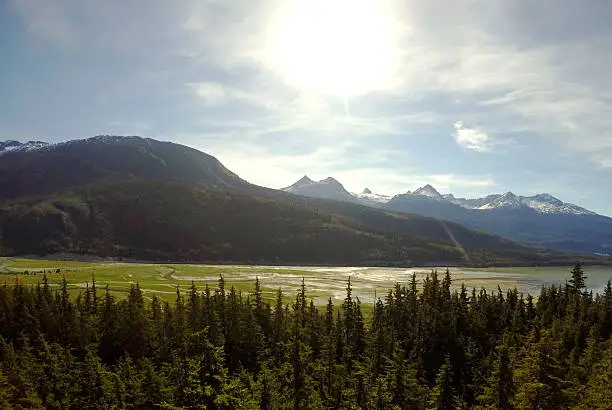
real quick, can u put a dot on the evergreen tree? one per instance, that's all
(6, 390)
(434, 348)
(596, 394)
(499, 391)
(406, 393)
(539, 377)
(443, 394)
(577, 281)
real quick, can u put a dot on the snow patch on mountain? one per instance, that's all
(428, 191)
(506, 201)
(541, 203)
(368, 195)
(16, 146)
(304, 181)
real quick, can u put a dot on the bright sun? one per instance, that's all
(344, 47)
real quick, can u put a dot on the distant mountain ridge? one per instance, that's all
(540, 219)
(143, 198)
(542, 203)
(58, 197)
(327, 188)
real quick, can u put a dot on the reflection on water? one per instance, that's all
(372, 283)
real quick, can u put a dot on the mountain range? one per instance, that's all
(332, 189)
(146, 199)
(539, 219)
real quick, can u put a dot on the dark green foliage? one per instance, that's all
(576, 282)
(141, 198)
(499, 391)
(172, 221)
(220, 349)
(109, 158)
(443, 394)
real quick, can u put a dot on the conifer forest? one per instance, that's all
(421, 346)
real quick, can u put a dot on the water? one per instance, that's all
(371, 283)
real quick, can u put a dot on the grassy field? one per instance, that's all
(154, 279)
(321, 282)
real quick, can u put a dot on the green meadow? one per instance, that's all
(321, 282)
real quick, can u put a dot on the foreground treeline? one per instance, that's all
(422, 347)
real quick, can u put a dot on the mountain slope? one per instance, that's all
(541, 219)
(171, 221)
(368, 197)
(429, 192)
(52, 168)
(327, 188)
(139, 197)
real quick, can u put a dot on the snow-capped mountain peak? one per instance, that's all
(548, 204)
(508, 201)
(331, 181)
(370, 197)
(547, 198)
(428, 191)
(328, 188)
(304, 181)
(541, 203)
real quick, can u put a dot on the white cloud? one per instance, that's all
(211, 93)
(391, 181)
(350, 164)
(472, 138)
(507, 65)
(453, 181)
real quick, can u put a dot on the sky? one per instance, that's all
(472, 96)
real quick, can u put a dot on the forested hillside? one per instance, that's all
(171, 221)
(146, 199)
(423, 347)
(59, 167)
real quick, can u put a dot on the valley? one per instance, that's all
(304, 205)
(140, 198)
(369, 283)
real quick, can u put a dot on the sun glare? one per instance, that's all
(342, 47)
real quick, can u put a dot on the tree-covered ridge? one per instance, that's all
(58, 167)
(424, 347)
(170, 221)
(153, 200)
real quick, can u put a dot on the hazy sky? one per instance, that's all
(472, 96)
